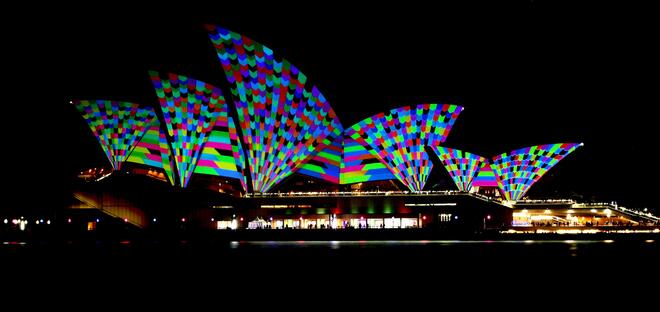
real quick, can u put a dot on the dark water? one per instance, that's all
(307, 253)
(267, 267)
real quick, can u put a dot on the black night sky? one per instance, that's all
(527, 73)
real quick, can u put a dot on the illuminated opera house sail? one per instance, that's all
(284, 120)
(274, 124)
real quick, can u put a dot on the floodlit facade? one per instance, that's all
(274, 124)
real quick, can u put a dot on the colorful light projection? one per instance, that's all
(398, 138)
(462, 166)
(518, 170)
(191, 109)
(359, 165)
(326, 163)
(116, 125)
(485, 177)
(222, 154)
(284, 121)
(153, 150)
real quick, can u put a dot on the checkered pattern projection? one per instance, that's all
(190, 109)
(485, 177)
(222, 154)
(398, 138)
(462, 166)
(153, 150)
(518, 170)
(284, 121)
(326, 163)
(359, 165)
(116, 125)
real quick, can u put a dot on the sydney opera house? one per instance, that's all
(270, 152)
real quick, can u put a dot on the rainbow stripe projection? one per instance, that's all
(399, 136)
(284, 121)
(326, 163)
(462, 166)
(191, 109)
(359, 165)
(222, 154)
(153, 150)
(518, 170)
(116, 125)
(485, 177)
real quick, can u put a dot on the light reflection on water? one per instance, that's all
(334, 244)
(14, 243)
(573, 246)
